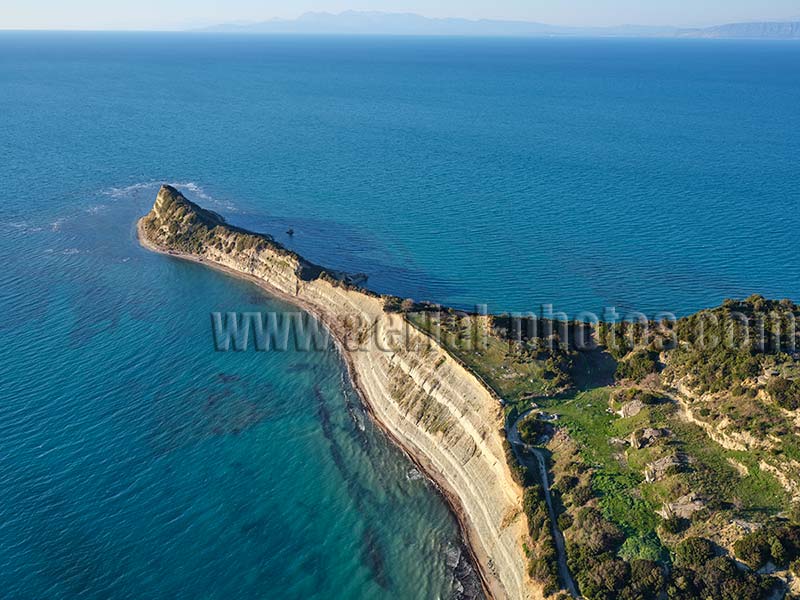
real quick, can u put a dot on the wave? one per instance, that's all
(192, 189)
(20, 227)
(414, 475)
(128, 190)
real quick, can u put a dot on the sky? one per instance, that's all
(182, 14)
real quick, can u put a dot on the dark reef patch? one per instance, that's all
(226, 407)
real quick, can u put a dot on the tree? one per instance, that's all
(785, 392)
(694, 551)
(637, 366)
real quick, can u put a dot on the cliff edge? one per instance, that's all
(427, 402)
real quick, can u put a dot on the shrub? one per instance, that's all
(645, 547)
(582, 495)
(794, 513)
(535, 509)
(531, 429)
(720, 352)
(674, 525)
(407, 305)
(542, 563)
(521, 474)
(603, 577)
(636, 366)
(647, 581)
(694, 551)
(777, 543)
(543, 566)
(595, 532)
(784, 392)
(625, 395)
(795, 568)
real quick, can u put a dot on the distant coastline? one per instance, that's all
(410, 24)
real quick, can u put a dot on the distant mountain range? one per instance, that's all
(380, 23)
(765, 30)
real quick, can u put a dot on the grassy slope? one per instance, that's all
(730, 482)
(619, 478)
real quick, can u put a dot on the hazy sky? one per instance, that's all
(176, 14)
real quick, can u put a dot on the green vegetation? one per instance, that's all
(542, 559)
(521, 474)
(776, 543)
(637, 365)
(609, 508)
(729, 346)
(514, 371)
(646, 499)
(541, 553)
(622, 396)
(718, 578)
(784, 392)
(531, 430)
(643, 547)
(694, 551)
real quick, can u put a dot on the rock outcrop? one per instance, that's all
(436, 410)
(665, 466)
(684, 507)
(630, 409)
(646, 437)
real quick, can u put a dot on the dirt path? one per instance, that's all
(523, 453)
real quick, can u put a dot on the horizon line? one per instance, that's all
(244, 25)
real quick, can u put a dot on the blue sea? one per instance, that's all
(137, 462)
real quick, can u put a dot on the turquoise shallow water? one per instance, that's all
(135, 462)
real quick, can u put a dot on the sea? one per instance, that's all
(136, 461)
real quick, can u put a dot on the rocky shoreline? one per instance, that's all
(444, 419)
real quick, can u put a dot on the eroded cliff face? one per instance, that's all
(444, 418)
